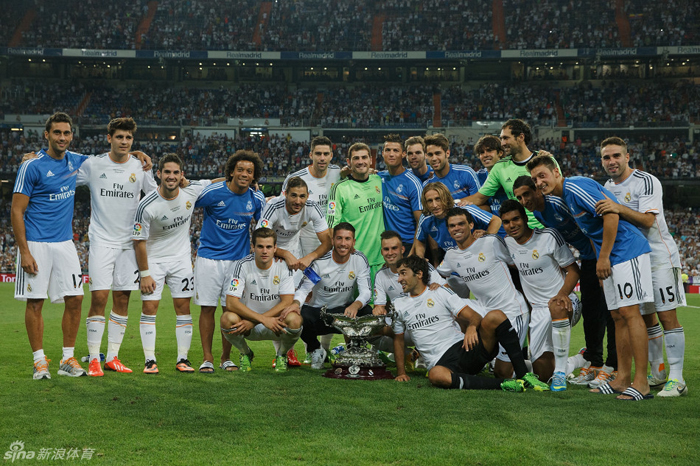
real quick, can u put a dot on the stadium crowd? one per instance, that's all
(606, 104)
(314, 25)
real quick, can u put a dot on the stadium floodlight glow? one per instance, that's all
(44, 60)
(30, 59)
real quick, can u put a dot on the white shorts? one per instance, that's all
(178, 275)
(59, 272)
(668, 291)
(630, 283)
(260, 333)
(211, 280)
(113, 269)
(520, 324)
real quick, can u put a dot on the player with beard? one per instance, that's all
(415, 156)
(552, 212)
(483, 264)
(623, 266)
(461, 180)
(640, 198)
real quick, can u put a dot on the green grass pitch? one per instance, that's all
(263, 417)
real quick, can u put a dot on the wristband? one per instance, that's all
(145, 273)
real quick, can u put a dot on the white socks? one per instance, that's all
(69, 352)
(95, 329)
(147, 326)
(675, 349)
(183, 334)
(38, 355)
(115, 334)
(656, 351)
(561, 337)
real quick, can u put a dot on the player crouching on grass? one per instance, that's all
(261, 290)
(453, 358)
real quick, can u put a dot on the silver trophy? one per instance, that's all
(358, 361)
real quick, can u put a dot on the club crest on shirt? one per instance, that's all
(430, 303)
(399, 188)
(351, 275)
(188, 206)
(132, 177)
(304, 224)
(482, 257)
(29, 287)
(456, 184)
(535, 254)
(276, 280)
(628, 197)
(376, 188)
(249, 206)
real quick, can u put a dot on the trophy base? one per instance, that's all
(354, 372)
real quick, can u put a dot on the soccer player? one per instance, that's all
(320, 177)
(415, 156)
(161, 238)
(453, 358)
(47, 262)
(461, 180)
(489, 150)
(552, 212)
(640, 198)
(548, 273)
(116, 181)
(401, 191)
(623, 266)
(483, 265)
(432, 228)
(342, 271)
(358, 200)
(261, 290)
(230, 208)
(515, 137)
(288, 215)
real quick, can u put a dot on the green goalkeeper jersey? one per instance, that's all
(502, 175)
(360, 204)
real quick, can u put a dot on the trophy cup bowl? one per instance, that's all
(358, 361)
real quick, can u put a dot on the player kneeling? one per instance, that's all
(261, 288)
(453, 358)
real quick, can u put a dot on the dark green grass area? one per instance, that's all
(299, 417)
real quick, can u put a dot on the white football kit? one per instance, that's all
(165, 225)
(539, 262)
(483, 267)
(642, 192)
(430, 317)
(338, 282)
(289, 226)
(319, 190)
(115, 192)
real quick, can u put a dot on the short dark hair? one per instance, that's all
(393, 137)
(264, 233)
(616, 141)
(171, 157)
(457, 211)
(297, 182)
(518, 127)
(509, 205)
(344, 226)
(524, 180)
(358, 146)
(58, 117)
(416, 264)
(538, 160)
(247, 156)
(321, 141)
(388, 234)
(488, 142)
(414, 140)
(438, 139)
(124, 124)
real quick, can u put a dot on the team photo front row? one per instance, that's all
(469, 268)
